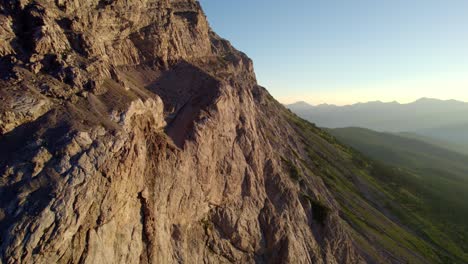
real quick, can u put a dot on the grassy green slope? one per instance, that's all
(453, 146)
(423, 186)
(365, 203)
(401, 151)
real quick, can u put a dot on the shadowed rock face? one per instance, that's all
(131, 133)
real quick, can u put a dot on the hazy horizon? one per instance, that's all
(342, 53)
(343, 100)
(373, 101)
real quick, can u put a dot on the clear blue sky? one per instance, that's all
(345, 51)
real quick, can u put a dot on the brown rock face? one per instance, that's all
(131, 133)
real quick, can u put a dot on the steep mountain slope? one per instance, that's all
(453, 146)
(430, 182)
(131, 133)
(424, 116)
(454, 133)
(402, 151)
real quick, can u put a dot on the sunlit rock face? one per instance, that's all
(131, 133)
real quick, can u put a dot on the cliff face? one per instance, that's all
(131, 133)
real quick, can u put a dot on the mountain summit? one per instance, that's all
(132, 133)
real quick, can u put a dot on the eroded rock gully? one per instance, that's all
(131, 133)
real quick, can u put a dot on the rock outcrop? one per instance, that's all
(132, 133)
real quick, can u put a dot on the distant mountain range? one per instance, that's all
(445, 120)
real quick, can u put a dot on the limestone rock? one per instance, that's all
(187, 166)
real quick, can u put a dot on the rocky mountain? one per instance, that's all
(132, 133)
(421, 116)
